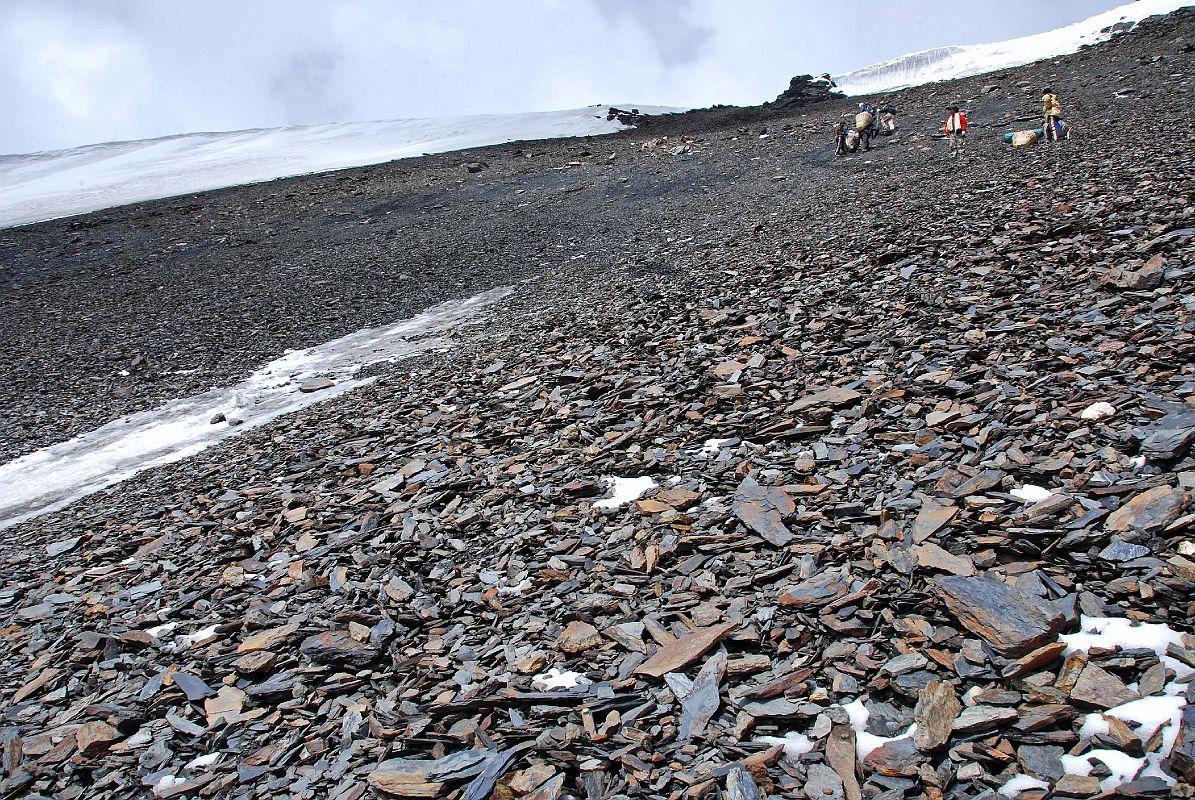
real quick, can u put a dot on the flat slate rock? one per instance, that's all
(267, 639)
(1169, 436)
(679, 654)
(740, 785)
(981, 718)
(1077, 786)
(1043, 762)
(835, 396)
(980, 482)
(1149, 512)
(1119, 550)
(897, 758)
(930, 556)
(816, 591)
(932, 518)
(93, 738)
(193, 687)
(337, 648)
(1098, 688)
(937, 707)
(578, 637)
(823, 783)
(1010, 621)
(1036, 660)
(763, 509)
(1182, 757)
(316, 385)
(403, 777)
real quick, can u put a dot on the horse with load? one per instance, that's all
(870, 122)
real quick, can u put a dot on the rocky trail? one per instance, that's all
(777, 475)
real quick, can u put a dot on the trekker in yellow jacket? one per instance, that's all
(1051, 111)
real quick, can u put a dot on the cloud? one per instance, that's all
(669, 24)
(60, 72)
(306, 87)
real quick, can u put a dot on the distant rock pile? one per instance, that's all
(803, 90)
(625, 116)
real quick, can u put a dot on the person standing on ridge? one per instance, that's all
(1051, 111)
(955, 128)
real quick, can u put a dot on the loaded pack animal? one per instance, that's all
(862, 129)
(866, 124)
(846, 138)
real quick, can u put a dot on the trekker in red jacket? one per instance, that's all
(955, 129)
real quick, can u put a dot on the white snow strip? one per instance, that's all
(858, 714)
(166, 783)
(1080, 765)
(521, 588)
(159, 630)
(794, 743)
(1146, 715)
(946, 63)
(1150, 713)
(52, 478)
(41, 186)
(1093, 725)
(1019, 783)
(1100, 410)
(1108, 633)
(1122, 766)
(198, 637)
(626, 490)
(1030, 493)
(203, 762)
(866, 742)
(556, 679)
(712, 446)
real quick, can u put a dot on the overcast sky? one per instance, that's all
(81, 71)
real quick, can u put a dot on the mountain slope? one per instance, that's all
(841, 374)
